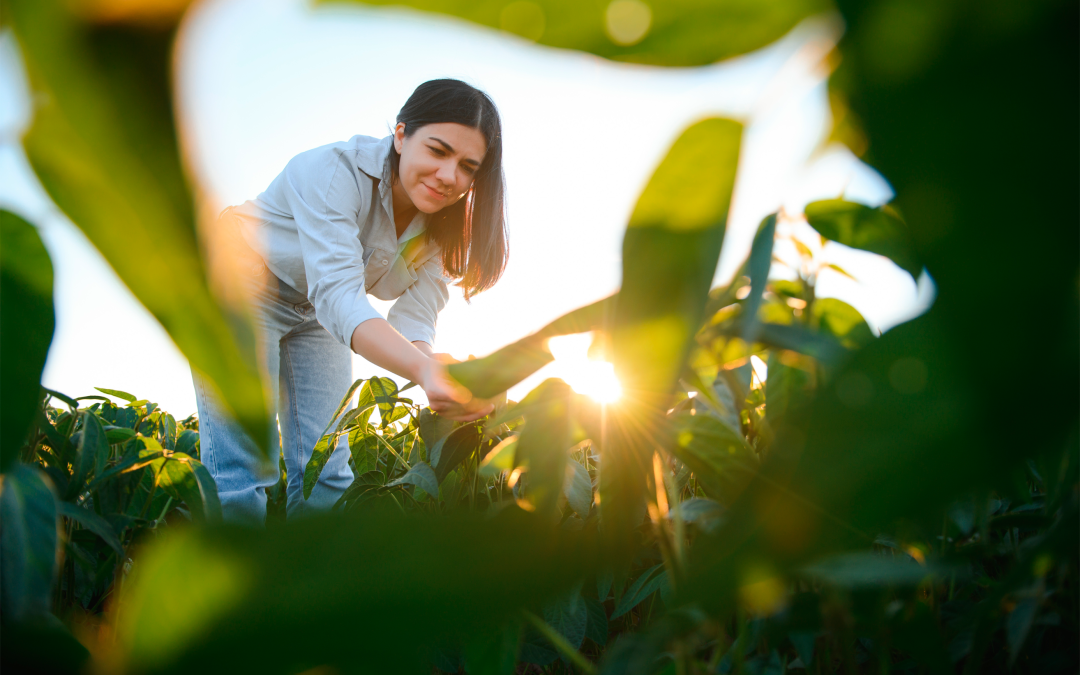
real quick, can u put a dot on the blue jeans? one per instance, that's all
(308, 372)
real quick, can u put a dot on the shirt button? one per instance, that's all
(385, 262)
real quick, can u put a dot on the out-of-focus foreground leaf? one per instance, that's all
(670, 252)
(27, 321)
(104, 146)
(668, 33)
(227, 595)
(27, 544)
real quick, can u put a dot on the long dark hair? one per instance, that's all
(472, 231)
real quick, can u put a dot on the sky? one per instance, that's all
(259, 81)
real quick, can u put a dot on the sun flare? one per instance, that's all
(591, 377)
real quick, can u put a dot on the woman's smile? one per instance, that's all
(434, 193)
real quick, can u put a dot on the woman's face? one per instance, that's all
(438, 163)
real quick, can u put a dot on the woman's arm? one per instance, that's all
(378, 342)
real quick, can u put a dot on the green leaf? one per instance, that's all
(433, 428)
(758, 269)
(569, 616)
(877, 230)
(865, 569)
(384, 390)
(28, 544)
(117, 393)
(319, 457)
(578, 488)
(106, 151)
(94, 523)
(564, 649)
(719, 456)
(27, 321)
(364, 449)
(93, 452)
(188, 442)
(597, 628)
(701, 512)
(644, 586)
(497, 372)
(842, 321)
(461, 443)
(673, 33)
(422, 476)
(180, 477)
(119, 434)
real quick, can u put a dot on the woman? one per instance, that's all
(396, 218)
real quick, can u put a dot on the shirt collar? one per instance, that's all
(373, 158)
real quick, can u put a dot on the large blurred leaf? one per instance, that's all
(26, 323)
(104, 145)
(669, 33)
(27, 543)
(670, 253)
(878, 230)
(226, 595)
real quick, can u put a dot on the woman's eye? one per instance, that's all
(468, 170)
(437, 151)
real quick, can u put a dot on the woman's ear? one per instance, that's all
(399, 136)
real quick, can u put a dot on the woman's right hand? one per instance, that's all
(448, 398)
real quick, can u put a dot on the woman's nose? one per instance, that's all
(446, 173)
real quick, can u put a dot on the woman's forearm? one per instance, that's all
(378, 342)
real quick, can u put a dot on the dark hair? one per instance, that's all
(472, 231)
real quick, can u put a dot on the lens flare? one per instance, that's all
(591, 377)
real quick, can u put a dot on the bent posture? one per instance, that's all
(396, 218)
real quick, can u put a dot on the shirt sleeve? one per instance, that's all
(414, 313)
(325, 204)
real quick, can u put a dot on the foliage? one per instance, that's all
(851, 503)
(94, 483)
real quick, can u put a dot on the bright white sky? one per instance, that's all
(262, 80)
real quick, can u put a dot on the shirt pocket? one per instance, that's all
(395, 281)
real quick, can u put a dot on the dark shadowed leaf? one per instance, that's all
(644, 586)
(27, 321)
(27, 543)
(455, 448)
(597, 629)
(93, 451)
(93, 522)
(758, 270)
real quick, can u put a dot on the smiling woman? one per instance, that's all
(396, 218)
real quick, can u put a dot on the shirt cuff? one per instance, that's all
(413, 330)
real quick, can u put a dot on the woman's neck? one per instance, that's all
(404, 210)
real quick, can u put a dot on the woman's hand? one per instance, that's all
(447, 397)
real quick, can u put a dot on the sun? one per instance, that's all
(591, 377)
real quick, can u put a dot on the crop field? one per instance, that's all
(777, 489)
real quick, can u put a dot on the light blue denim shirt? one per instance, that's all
(325, 226)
